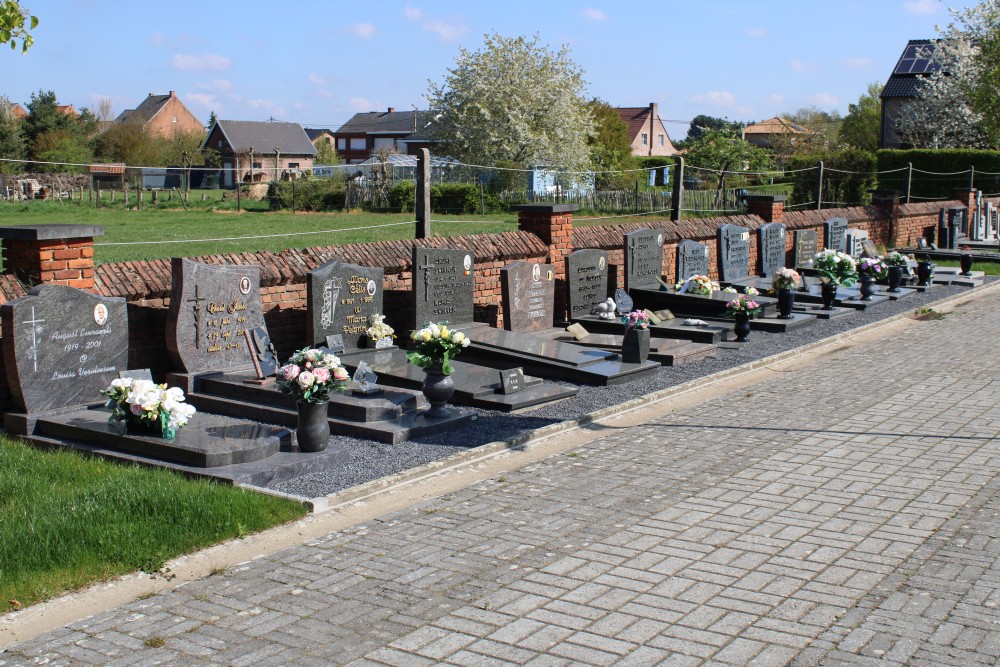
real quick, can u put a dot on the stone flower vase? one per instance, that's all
(828, 291)
(313, 431)
(786, 301)
(867, 287)
(635, 346)
(966, 264)
(924, 272)
(742, 327)
(895, 278)
(438, 389)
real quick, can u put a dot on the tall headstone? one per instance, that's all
(806, 247)
(835, 234)
(772, 248)
(211, 308)
(692, 259)
(950, 226)
(734, 252)
(586, 280)
(528, 294)
(340, 298)
(62, 345)
(643, 259)
(852, 242)
(443, 285)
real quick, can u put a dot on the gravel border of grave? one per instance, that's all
(376, 466)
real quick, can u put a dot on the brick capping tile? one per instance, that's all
(49, 232)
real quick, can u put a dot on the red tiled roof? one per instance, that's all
(776, 125)
(111, 168)
(636, 118)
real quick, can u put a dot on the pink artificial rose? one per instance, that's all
(322, 375)
(289, 372)
(136, 409)
(340, 374)
(305, 379)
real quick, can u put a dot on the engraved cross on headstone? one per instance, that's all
(426, 268)
(35, 330)
(196, 300)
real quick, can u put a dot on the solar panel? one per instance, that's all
(917, 59)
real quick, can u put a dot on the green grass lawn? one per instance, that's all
(67, 521)
(989, 268)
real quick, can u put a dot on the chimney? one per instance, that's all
(172, 94)
(391, 109)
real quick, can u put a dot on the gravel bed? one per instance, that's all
(372, 460)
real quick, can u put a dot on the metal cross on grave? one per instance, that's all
(427, 266)
(197, 316)
(35, 330)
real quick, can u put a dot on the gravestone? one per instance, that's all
(511, 380)
(852, 242)
(623, 302)
(586, 280)
(340, 297)
(771, 248)
(835, 234)
(443, 285)
(805, 248)
(954, 222)
(262, 352)
(211, 308)
(734, 252)
(527, 293)
(692, 259)
(62, 345)
(994, 215)
(643, 259)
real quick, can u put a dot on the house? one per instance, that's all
(162, 116)
(774, 131)
(18, 111)
(646, 131)
(255, 151)
(915, 63)
(320, 136)
(365, 133)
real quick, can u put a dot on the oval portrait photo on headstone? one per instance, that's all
(601, 263)
(100, 314)
(536, 272)
(659, 239)
(467, 262)
(244, 285)
(371, 288)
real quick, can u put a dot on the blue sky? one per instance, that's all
(317, 63)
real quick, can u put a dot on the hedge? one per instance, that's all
(951, 169)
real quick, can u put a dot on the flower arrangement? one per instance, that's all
(751, 291)
(436, 346)
(698, 284)
(730, 290)
(896, 258)
(147, 403)
(310, 375)
(742, 305)
(637, 319)
(836, 267)
(380, 332)
(785, 278)
(871, 267)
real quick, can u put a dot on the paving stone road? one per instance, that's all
(843, 512)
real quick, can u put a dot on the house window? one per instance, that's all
(293, 165)
(173, 119)
(341, 144)
(384, 142)
(659, 139)
(256, 165)
(645, 139)
(220, 143)
(358, 144)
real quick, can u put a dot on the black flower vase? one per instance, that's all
(313, 431)
(828, 292)
(895, 278)
(867, 287)
(635, 346)
(786, 301)
(924, 273)
(742, 328)
(438, 389)
(966, 263)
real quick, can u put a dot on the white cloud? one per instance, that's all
(157, 39)
(317, 79)
(202, 61)
(755, 32)
(265, 104)
(858, 63)
(360, 104)
(447, 31)
(920, 6)
(824, 100)
(207, 100)
(216, 86)
(593, 14)
(775, 99)
(413, 13)
(718, 98)
(797, 65)
(363, 30)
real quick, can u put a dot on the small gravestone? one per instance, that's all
(734, 252)
(805, 248)
(211, 308)
(835, 234)
(443, 285)
(262, 353)
(643, 259)
(578, 331)
(852, 242)
(653, 318)
(137, 374)
(340, 297)
(335, 343)
(664, 314)
(586, 280)
(62, 345)
(692, 260)
(868, 248)
(511, 381)
(955, 222)
(364, 379)
(623, 302)
(772, 248)
(527, 292)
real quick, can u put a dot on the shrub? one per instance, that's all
(455, 198)
(311, 194)
(951, 167)
(850, 189)
(403, 196)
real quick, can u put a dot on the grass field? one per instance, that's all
(989, 268)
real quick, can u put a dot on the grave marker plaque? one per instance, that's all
(340, 297)
(62, 345)
(692, 260)
(623, 302)
(586, 280)
(643, 259)
(527, 292)
(734, 252)
(512, 381)
(211, 308)
(805, 248)
(835, 234)
(853, 242)
(442, 285)
(772, 248)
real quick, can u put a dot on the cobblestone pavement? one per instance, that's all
(843, 512)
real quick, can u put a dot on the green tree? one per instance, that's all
(212, 118)
(44, 116)
(61, 146)
(128, 143)
(610, 147)
(326, 153)
(514, 100)
(863, 122)
(15, 24)
(702, 123)
(12, 144)
(724, 154)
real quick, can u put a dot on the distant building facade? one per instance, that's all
(366, 133)
(162, 116)
(646, 132)
(252, 151)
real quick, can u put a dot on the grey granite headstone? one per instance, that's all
(643, 259)
(734, 252)
(771, 248)
(443, 285)
(805, 248)
(512, 380)
(852, 242)
(62, 345)
(692, 259)
(527, 292)
(586, 280)
(835, 231)
(211, 308)
(340, 297)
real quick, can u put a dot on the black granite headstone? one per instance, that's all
(443, 285)
(527, 292)
(771, 248)
(692, 260)
(805, 248)
(623, 302)
(734, 252)
(835, 234)
(511, 381)
(643, 259)
(852, 242)
(62, 345)
(586, 280)
(340, 297)
(211, 308)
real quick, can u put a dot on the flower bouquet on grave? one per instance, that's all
(436, 347)
(896, 258)
(148, 406)
(379, 332)
(836, 268)
(730, 290)
(310, 375)
(751, 291)
(785, 278)
(871, 267)
(742, 306)
(637, 319)
(698, 284)
(635, 342)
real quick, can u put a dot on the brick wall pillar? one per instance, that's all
(55, 254)
(553, 224)
(887, 202)
(965, 195)
(769, 207)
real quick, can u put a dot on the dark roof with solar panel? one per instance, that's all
(917, 61)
